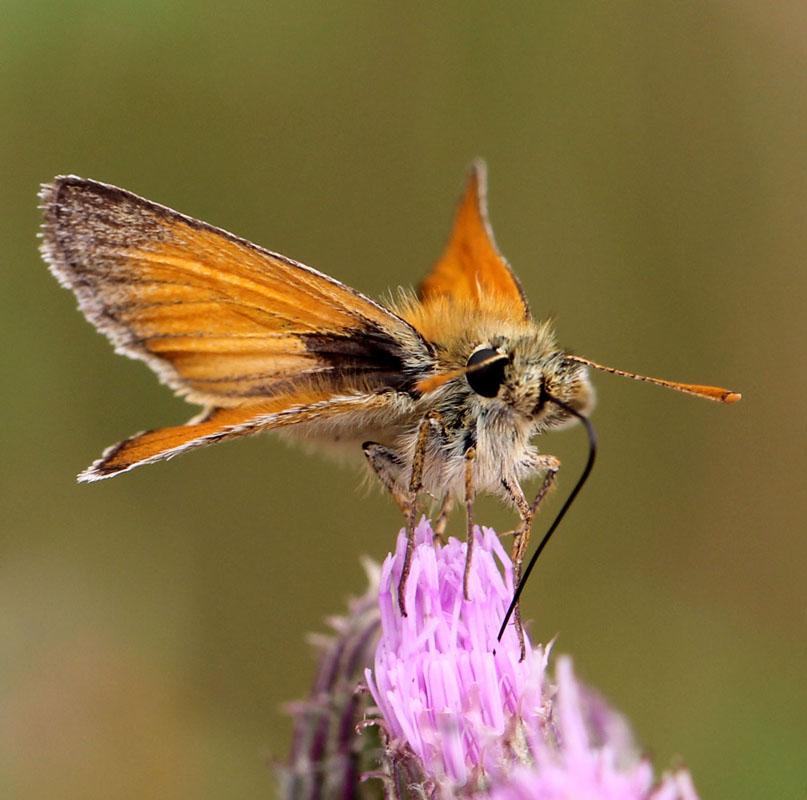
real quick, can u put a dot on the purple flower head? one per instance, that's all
(443, 683)
(476, 719)
(567, 765)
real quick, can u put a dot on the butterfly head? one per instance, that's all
(524, 376)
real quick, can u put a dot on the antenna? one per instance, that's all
(709, 392)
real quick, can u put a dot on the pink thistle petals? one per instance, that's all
(478, 720)
(442, 681)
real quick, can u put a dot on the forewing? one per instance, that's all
(471, 270)
(219, 319)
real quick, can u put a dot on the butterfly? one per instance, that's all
(444, 390)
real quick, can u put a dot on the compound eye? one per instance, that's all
(486, 371)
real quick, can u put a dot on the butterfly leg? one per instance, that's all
(388, 465)
(470, 455)
(527, 512)
(521, 538)
(552, 467)
(520, 534)
(442, 517)
(431, 424)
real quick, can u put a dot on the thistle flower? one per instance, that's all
(457, 713)
(567, 764)
(480, 721)
(328, 757)
(461, 700)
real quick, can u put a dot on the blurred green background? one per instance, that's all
(648, 181)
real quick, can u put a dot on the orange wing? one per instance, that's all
(225, 423)
(261, 340)
(219, 319)
(471, 270)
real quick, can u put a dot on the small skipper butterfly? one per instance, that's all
(444, 390)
